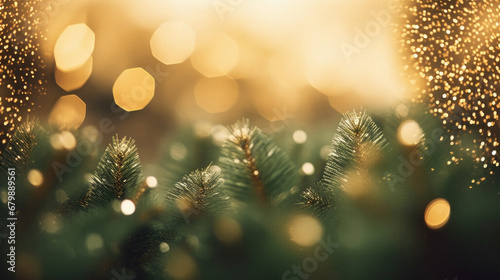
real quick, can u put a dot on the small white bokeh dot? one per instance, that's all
(299, 137)
(307, 168)
(128, 207)
(151, 182)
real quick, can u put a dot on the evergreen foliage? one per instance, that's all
(117, 175)
(210, 223)
(317, 200)
(254, 168)
(19, 151)
(198, 194)
(356, 144)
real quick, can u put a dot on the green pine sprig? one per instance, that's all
(118, 174)
(356, 144)
(317, 200)
(254, 168)
(19, 152)
(197, 194)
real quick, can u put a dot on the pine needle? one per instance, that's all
(19, 152)
(197, 194)
(355, 145)
(254, 168)
(317, 199)
(118, 174)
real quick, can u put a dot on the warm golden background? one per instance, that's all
(274, 61)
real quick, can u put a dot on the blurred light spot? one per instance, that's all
(216, 95)
(134, 89)
(305, 230)
(117, 204)
(299, 136)
(173, 42)
(184, 204)
(193, 241)
(228, 230)
(63, 140)
(50, 223)
(178, 151)
(164, 247)
(94, 242)
(410, 133)
(437, 213)
(325, 152)
(219, 134)
(307, 168)
(91, 133)
(216, 55)
(203, 129)
(4, 196)
(294, 189)
(68, 141)
(215, 169)
(35, 177)
(181, 266)
(74, 47)
(127, 207)
(151, 182)
(68, 112)
(61, 196)
(74, 79)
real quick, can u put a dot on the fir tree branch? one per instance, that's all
(199, 193)
(254, 168)
(317, 199)
(117, 174)
(357, 140)
(19, 152)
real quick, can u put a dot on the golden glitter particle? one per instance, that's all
(21, 66)
(452, 49)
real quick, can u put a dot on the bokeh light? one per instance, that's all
(410, 133)
(127, 207)
(74, 47)
(228, 230)
(134, 89)
(35, 177)
(151, 182)
(437, 213)
(181, 266)
(94, 242)
(68, 112)
(173, 42)
(216, 55)
(299, 137)
(305, 230)
(74, 79)
(164, 247)
(307, 168)
(64, 140)
(216, 95)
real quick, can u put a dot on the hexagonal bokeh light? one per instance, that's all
(134, 89)
(74, 47)
(68, 112)
(173, 42)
